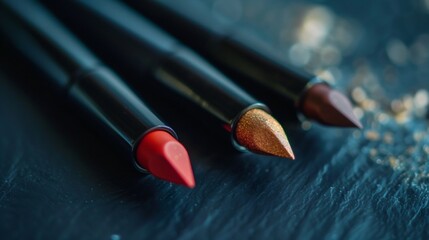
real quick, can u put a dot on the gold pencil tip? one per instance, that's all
(259, 132)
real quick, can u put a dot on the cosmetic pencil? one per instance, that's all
(134, 43)
(75, 71)
(234, 50)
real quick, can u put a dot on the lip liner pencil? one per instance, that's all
(95, 88)
(139, 45)
(230, 48)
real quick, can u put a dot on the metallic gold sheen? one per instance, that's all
(259, 132)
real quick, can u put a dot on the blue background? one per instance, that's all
(59, 178)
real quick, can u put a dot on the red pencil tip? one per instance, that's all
(163, 156)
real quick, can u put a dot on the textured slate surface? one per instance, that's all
(60, 180)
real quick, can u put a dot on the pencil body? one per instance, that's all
(81, 77)
(148, 50)
(132, 42)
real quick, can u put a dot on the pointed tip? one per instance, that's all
(290, 154)
(356, 123)
(178, 161)
(163, 156)
(259, 132)
(342, 110)
(329, 107)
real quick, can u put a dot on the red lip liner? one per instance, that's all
(99, 91)
(232, 49)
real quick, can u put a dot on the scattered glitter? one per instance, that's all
(402, 118)
(373, 152)
(408, 102)
(383, 118)
(372, 135)
(368, 104)
(358, 95)
(388, 137)
(327, 75)
(397, 106)
(421, 98)
(393, 162)
(316, 26)
(417, 136)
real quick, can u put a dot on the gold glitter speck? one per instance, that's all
(372, 135)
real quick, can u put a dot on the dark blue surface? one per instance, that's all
(60, 180)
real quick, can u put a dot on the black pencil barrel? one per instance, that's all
(75, 70)
(228, 46)
(135, 44)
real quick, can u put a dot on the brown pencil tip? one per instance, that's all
(259, 132)
(329, 107)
